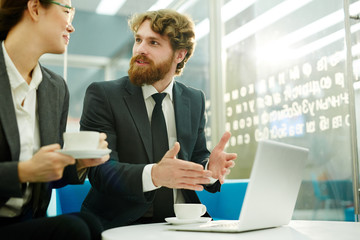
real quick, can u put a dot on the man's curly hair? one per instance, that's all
(179, 28)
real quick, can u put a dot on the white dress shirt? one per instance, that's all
(25, 105)
(169, 114)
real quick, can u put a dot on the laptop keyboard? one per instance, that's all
(223, 224)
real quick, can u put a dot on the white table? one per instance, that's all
(296, 230)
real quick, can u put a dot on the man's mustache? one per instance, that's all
(141, 58)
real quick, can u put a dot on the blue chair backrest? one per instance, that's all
(227, 203)
(231, 200)
(70, 197)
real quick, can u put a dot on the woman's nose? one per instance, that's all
(70, 28)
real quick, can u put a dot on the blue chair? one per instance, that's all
(70, 197)
(336, 194)
(221, 205)
(227, 203)
(349, 214)
(321, 195)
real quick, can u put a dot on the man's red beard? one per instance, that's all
(150, 73)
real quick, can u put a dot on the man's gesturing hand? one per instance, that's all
(176, 173)
(220, 162)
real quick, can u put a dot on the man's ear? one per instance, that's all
(180, 55)
(33, 7)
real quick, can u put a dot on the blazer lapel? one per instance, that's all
(137, 109)
(7, 111)
(48, 117)
(182, 118)
(47, 96)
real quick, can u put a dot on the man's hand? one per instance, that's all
(45, 166)
(220, 162)
(92, 162)
(175, 173)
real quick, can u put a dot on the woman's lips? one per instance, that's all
(67, 38)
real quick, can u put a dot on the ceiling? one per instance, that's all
(129, 7)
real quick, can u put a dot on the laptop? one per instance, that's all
(271, 194)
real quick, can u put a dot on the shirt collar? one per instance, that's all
(149, 90)
(15, 77)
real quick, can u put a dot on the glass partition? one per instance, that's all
(285, 81)
(352, 20)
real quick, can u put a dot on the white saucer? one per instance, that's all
(79, 154)
(175, 220)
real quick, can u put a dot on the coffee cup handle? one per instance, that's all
(203, 211)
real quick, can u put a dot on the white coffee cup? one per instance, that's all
(189, 210)
(83, 140)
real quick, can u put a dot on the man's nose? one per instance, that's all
(141, 49)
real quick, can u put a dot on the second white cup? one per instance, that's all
(83, 140)
(189, 210)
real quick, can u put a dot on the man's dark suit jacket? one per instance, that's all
(52, 105)
(118, 109)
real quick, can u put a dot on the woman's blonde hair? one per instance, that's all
(177, 27)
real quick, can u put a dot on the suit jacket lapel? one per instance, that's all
(48, 116)
(182, 118)
(137, 109)
(7, 112)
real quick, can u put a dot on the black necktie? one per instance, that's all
(163, 202)
(158, 129)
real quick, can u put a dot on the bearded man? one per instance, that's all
(144, 178)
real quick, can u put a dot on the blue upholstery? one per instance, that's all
(349, 214)
(70, 197)
(221, 205)
(333, 193)
(227, 203)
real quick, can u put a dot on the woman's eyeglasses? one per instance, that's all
(70, 9)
